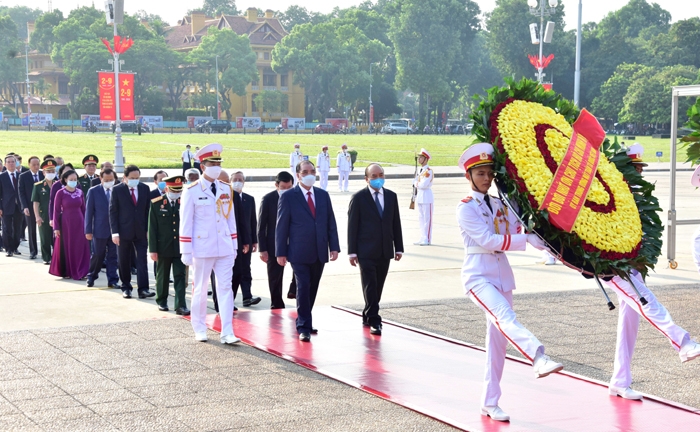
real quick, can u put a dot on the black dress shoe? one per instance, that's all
(146, 294)
(314, 331)
(9, 254)
(133, 271)
(291, 295)
(251, 301)
(182, 311)
(90, 283)
(126, 294)
(304, 337)
(170, 280)
(114, 285)
(47, 262)
(17, 252)
(208, 293)
(163, 308)
(234, 309)
(32, 256)
(375, 330)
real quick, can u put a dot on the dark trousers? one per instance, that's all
(241, 275)
(198, 166)
(31, 226)
(46, 239)
(124, 253)
(105, 251)
(308, 277)
(11, 227)
(372, 274)
(185, 167)
(275, 276)
(163, 267)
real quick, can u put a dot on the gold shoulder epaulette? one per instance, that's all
(192, 185)
(39, 182)
(155, 200)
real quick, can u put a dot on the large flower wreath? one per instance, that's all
(618, 228)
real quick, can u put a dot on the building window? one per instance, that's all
(63, 114)
(266, 56)
(269, 78)
(260, 55)
(284, 80)
(63, 87)
(253, 106)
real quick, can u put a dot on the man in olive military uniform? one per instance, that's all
(164, 244)
(40, 200)
(90, 164)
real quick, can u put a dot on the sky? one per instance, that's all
(173, 10)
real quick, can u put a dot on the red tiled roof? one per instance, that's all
(180, 36)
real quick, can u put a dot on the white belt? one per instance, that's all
(475, 250)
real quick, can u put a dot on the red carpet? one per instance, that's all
(442, 378)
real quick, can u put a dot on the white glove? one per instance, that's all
(187, 259)
(536, 242)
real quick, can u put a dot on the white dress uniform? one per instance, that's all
(424, 198)
(294, 158)
(628, 323)
(323, 166)
(344, 164)
(208, 232)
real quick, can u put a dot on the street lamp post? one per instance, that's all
(577, 73)
(218, 104)
(29, 102)
(542, 11)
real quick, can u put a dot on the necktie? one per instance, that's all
(36, 178)
(213, 188)
(312, 207)
(108, 195)
(14, 180)
(487, 200)
(133, 196)
(379, 206)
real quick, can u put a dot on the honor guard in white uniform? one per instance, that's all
(208, 241)
(323, 165)
(424, 198)
(488, 229)
(294, 158)
(344, 165)
(631, 309)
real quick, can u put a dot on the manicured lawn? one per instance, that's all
(254, 150)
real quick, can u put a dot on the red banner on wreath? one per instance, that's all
(105, 87)
(126, 96)
(573, 179)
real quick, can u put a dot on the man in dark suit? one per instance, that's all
(374, 239)
(267, 224)
(306, 231)
(159, 180)
(98, 231)
(128, 220)
(241, 267)
(10, 207)
(26, 185)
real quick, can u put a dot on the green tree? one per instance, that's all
(40, 89)
(81, 58)
(679, 45)
(11, 65)
(21, 15)
(329, 60)
(297, 15)
(51, 97)
(427, 37)
(214, 8)
(272, 101)
(648, 96)
(610, 101)
(42, 38)
(236, 63)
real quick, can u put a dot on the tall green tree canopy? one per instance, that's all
(214, 8)
(21, 15)
(610, 101)
(42, 38)
(11, 64)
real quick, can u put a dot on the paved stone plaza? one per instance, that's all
(77, 358)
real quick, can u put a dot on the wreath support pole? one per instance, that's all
(642, 300)
(611, 306)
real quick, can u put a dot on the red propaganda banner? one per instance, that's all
(573, 179)
(371, 113)
(105, 88)
(126, 96)
(239, 122)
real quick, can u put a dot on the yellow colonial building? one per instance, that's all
(264, 32)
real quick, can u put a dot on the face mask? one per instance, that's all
(161, 186)
(213, 172)
(132, 182)
(108, 185)
(237, 186)
(58, 168)
(377, 183)
(50, 176)
(72, 183)
(173, 196)
(308, 180)
(281, 191)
